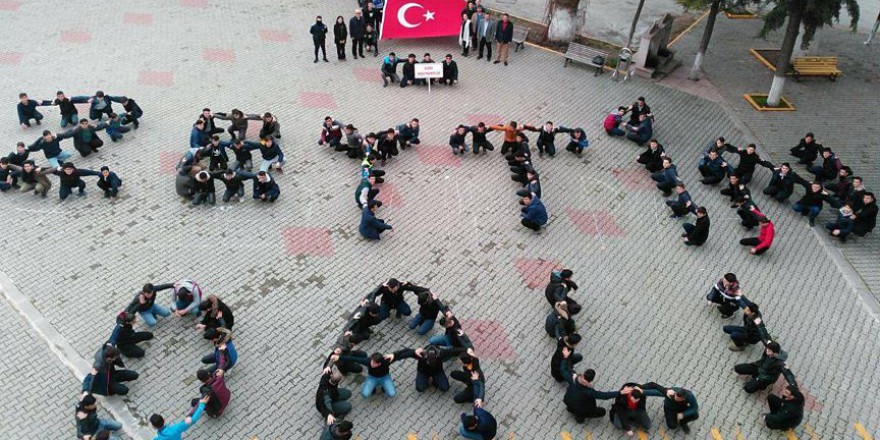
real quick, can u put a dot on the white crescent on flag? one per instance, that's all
(401, 15)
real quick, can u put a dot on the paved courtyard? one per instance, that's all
(293, 271)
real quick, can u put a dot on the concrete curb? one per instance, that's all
(68, 356)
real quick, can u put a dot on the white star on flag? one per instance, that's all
(428, 15)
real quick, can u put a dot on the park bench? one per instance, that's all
(815, 66)
(520, 34)
(583, 54)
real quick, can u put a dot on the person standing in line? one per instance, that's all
(357, 28)
(484, 34)
(503, 35)
(464, 35)
(340, 37)
(319, 37)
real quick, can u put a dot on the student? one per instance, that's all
(751, 332)
(239, 122)
(558, 289)
(8, 176)
(865, 219)
(667, 178)
(216, 151)
(33, 178)
(430, 307)
(510, 131)
(652, 158)
(126, 339)
(365, 193)
(408, 71)
(807, 150)
(637, 109)
(390, 297)
(679, 406)
(234, 182)
(69, 112)
(748, 159)
(371, 39)
(100, 106)
(104, 379)
(811, 203)
(85, 137)
(244, 160)
(340, 37)
(478, 137)
(331, 400)
(27, 110)
(786, 409)
(144, 303)
(213, 387)
(357, 28)
(265, 188)
(133, 112)
(713, 169)
(175, 431)
(109, 182)
(197, 136)
(457, 140)
(387, 147)
(534, 214)
(371, 227)
(580, 396)
(319, 37)
(683, 204)
(204, 190)
(70, 177)
(408, 133)
(88, 425)
(331, 132)
(629, 408)
(830, 167)
(270, 150)
(546, 137)
(613, 121)
(735, 189)
(450, 71)
(565, 345)
(429, 366)
(781, 185)
(479, 426)
(217, 314)
(641, 132)
(697, 234)
(378, 372)
(389, 69)
(224, 355)
(115, 128)
(727, 294)
(271, 127)
(337, 431)
(764, 240)
(472, 376)
(210, 127)
(764, 371)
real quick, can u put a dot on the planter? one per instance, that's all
(740, 15)
(765, 56)
(758, 101)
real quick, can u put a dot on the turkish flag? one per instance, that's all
(421, 18)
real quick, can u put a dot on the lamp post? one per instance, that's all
(626, 49)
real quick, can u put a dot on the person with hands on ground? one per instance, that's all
(479, 426)
(175, 431)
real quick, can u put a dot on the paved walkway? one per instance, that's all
(835, 111)
(292, 271)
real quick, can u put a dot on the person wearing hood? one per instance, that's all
(224, 355)
(265, 188)
(319, 37)
(843, 225)
(389, 69)
(70, 177)
(652, 158)
(271, 127)
(534, 214)
(214, 387)
(340, 37)
(371, 227)
(787, 409)
(763, 372)
(667, 178)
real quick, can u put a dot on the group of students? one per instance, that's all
(195, 180)
(786, 409)
(628, 412)
(108, 374)
(332, 402)
(388, 70)
(18, 171)
(639, 128)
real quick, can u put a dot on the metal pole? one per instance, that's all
(632, 31)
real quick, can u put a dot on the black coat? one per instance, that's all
(340, 33)
(504, 34)
(357, 28)
(450, 70)
(325, 396)
(409, 69)
(866, 218)
(701, 231)
(319, 32)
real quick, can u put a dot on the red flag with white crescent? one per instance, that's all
(421, 18)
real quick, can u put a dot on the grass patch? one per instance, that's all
(759, 102)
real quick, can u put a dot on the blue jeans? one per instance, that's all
(403, 309)
(149, 316)
(439, 340)
(61, 157)
(180, 305)
(71, 120)
(424, 325)
(268, 163)
(116, 134)
(811, 211)
(615, 132)
(370, 383)
(108, 425)
(468, 434)
(738, 334)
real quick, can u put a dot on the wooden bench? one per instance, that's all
(520, 34)
(815, 66)
(583, 54)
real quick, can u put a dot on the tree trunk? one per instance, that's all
(704, 44)
(795, 14)
(562, 17)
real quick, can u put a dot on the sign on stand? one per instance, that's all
(429, 70)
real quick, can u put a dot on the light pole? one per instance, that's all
(626, 49)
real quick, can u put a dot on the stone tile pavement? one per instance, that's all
(293, 271)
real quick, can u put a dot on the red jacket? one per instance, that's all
(765, 238)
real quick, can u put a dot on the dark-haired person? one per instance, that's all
(429, 366)
(751, 332)
(629, 409)
(331, 132)
(27, 110)
(389, 296)
(450, 71)
(104, 379)
(565, 345)
(637, 109)
(652, 158)
(186, 295)
(577, 140)
(478, 137)
(340, 37)
(807, 150)
(642, 131)
(781, 185)
(787, 409)
(429, 308)
(337, 431)
(85, 137)
(265, 188)
(559, 322)
(558, 289)
(763, 372)
(697, 234)
(471, 375)
(546, 137)
(209, 126)
(133, 111)
(50, 144)
(680, 406)
(748, 211)
(217, 314)
(204, 190)
(580, 396)
(534, 214)
(843, 225)
(387, 145)
(330, 400)
(213, 386)
(457, 140)
(453, 335)
(8, 175)
(727, 294)
(239, 122)
(613, 121)
(114, 127)
(319, 37)
(811, 203)
(88, 425)
(371, 227)
(830, 167)
(271, 127)
(408, 133)
(359, 325)
(224, 355)
(70, 177)
(479, 426)
(100, 105)
(764, 240)
(735, 189)
(234, 182)
(667, 177)
(389, 69)
(748, 159)
(175, 431)
(69, 112)
(126, 339)
(109, 182)
(216, 151)
(33, 178)
(503, 36)
(682, 205)
(865, 219)
(144, 303)
(378, 372)
(713, 169)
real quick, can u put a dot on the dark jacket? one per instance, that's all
(487, 427)
(432, 365)
(268, 152)
(409, 69)
(87, 424)
(786, 414)
(331, 433)
(131, 106)
(112, 180)
(357, 28)
(237, 180)
(66, 106)
(769, 368)
(99, 383)
(325, 396)
(811, 198)
(866, 218)
(106, 99)
(18, 159)
(242, 154)
(558, 288)
(450, 70)
(318, 31)
(84, 140)
(370, 226)
(652, 159)
(28, 110)
(51, 148)
(390, 67)
(206, 187)
(457, 141)
(504, 34)
(340, 33)
(535, 212)
(756, 331)
(72, 179)
(700, 233)
(581, 397)
(269, 188)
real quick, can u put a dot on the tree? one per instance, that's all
(562, 20)
(813, 14)
(714, 7)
